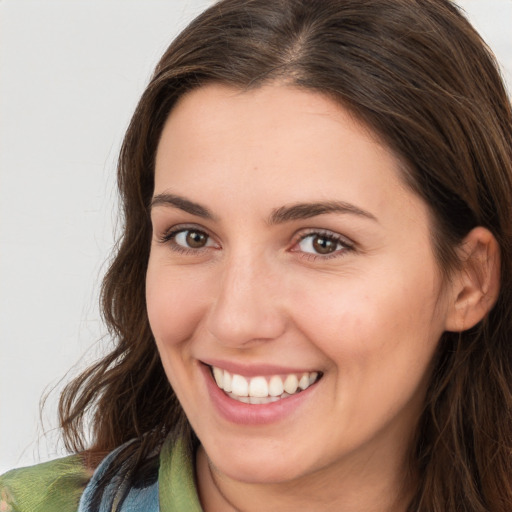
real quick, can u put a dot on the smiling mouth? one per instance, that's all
(262, 389)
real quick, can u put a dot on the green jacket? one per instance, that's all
(56, 486)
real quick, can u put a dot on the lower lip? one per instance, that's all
(253, 414)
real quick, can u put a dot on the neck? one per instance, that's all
(358, 486)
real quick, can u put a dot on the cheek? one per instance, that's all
(174, 302)
(174, 309)
(369, 322)
(379, 345)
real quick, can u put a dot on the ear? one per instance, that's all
(475, 285)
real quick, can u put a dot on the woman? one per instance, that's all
(311, 298)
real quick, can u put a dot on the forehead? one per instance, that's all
(270, 105)
(277, 144)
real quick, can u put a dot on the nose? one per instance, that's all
(248, 306)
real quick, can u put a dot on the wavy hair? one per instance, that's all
(418, 75)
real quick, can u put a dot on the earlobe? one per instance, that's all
(476, 284)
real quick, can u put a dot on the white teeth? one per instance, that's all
(219, 376)
(304, 381)
(275, 386)
(256, 400)
(258, 387)
(239, 386)
(262, 390)
(291, 384)
(227, 382)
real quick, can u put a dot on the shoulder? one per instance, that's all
(54, 485)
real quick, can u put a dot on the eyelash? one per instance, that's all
(347, 246)
(169, 238)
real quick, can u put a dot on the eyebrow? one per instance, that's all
(182, 204)
(307, 210)
(280, 215)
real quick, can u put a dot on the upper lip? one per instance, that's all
(254, 370)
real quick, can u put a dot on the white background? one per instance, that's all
(71, 73)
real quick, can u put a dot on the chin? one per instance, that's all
(254, 466)
(257, 473)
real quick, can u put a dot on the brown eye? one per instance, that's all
(191, 239)
(321, 244)
(196, 239)
(324, 245)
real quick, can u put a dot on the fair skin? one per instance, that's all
(344, 289)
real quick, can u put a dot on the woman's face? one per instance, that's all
(287, 252)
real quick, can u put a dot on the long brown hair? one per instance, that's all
(418, 75)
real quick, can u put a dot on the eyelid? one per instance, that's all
(347, 243)
(169, 235)
(171, 231)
